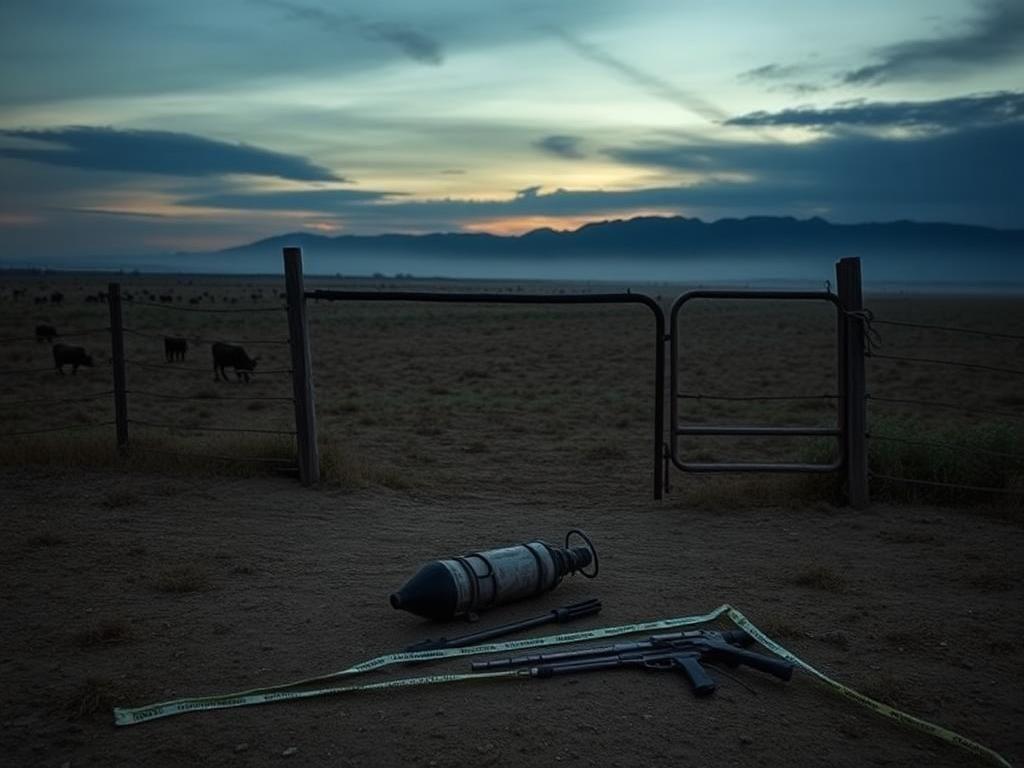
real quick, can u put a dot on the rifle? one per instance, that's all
(681, 651)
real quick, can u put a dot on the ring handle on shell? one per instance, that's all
(590, 546)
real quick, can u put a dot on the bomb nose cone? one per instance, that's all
(431, 593)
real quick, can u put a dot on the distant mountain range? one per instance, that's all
(675, 237)
(669, 248)
(651, 248)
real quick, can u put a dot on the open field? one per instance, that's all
(449, 428)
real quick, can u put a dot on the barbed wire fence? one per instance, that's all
(37, 409)
(957, 451)
(145, 323)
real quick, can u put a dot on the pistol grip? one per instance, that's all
(701, 682)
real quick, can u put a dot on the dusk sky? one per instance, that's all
(136, 126)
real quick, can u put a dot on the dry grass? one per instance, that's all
(341, 467)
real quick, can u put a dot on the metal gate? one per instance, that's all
(677, 430)
(849, 346)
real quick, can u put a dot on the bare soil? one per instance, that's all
(454, 428)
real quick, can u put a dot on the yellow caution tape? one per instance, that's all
(885, 710)
(289, 692)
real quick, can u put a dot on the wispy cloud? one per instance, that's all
(996, 35)
(955, 113)
(411, 42)
(562, 146)
(159, 152)
(651, 83)
(783, 77)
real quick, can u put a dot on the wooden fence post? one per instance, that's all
(302, 369)
(117, 361)
(851, 299)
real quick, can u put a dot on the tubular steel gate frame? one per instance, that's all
(537, 298)
(838, 431)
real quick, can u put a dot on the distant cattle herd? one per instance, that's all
(175, 347)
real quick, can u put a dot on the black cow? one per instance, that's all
(175, 348)
(46, 333)
(231, 355)
(56, 297)
(73, 356)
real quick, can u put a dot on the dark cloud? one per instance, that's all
(969, 175)
(562, 146)
(956, 113)
(312, 200)
(114, 212)
(651, 83)
(409, 41)
(996, 35)
(158, 152)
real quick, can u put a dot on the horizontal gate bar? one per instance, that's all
(726, 466)
(781, 431)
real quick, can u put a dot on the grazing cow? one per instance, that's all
(46, 333)
(56, 297)
(41, 299)
(195, 300)
(73, 356)
(232, 355)
(165, 299)
(18, 293)
(175, 348)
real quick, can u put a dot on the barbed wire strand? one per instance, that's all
(56, 401)
(951, 406)
(133, 448)
(18, 371)
(940, 444)
(184, 428)
(65, 428)
(165, 396)
(186, 368)
(980, 488)
(86, 332)
(698, 396)
(172, 307)
(951, 329)
(149, 334)
(976, 366)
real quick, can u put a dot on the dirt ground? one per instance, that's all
(453, 428)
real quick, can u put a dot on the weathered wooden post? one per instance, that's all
(302, 369)
(117, 362)
(851, 299)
